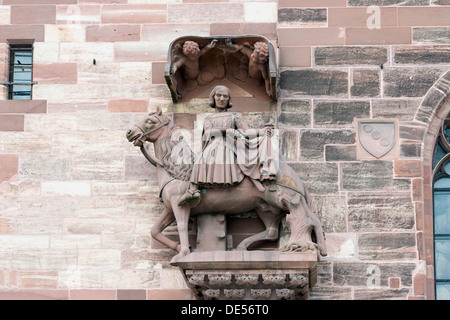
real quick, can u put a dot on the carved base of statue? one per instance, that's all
(250, 275)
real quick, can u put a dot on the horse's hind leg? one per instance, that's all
(182, 217)
(165, 219)
(271, 220)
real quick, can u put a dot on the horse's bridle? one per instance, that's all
(144, 134)
(153, 160)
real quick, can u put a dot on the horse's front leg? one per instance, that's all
(182, 217)
(165, 219)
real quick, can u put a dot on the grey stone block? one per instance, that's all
(350, 55)
(409, 82)
(315, 82)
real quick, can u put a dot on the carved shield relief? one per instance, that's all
(377, 139)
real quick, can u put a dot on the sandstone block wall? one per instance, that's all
(78, 201)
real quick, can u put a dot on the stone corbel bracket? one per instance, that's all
(215, 62)
(250, 275)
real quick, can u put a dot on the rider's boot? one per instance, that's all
(191, 194)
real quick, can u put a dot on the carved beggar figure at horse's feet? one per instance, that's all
(261, 183)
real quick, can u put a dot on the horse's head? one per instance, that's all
(148, 129)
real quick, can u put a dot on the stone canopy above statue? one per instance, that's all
(197, 64)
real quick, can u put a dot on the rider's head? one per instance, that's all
(220, 92)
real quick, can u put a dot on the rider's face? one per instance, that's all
(221, 98)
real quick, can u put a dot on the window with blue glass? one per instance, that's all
(441, 200)
(20, 72)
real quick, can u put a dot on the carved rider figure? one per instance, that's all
(230, 152)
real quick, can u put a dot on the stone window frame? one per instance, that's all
(432, 112)
(440, 161)
(13, 48)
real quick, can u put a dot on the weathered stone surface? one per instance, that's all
(365, 83)
(100, 207)
(127, 105)
(339, 113)
(112, 33)
(340, 153)
(366, 3)
(350, 55)
(145, 259)
(431, 35)
(427, 16)
(430, 104)
(98, 226)
(55, 73)
(115, 188)
(367, 175)
(288, 145)
(402, 109)
(128, 278)
(383, 36)
(380, 212)
(22, 31)
(409, 82)
(24, 142)
(23, 106)
(330, 293)
(44, 259)
(85, 142)
(408, 168)
(9, 164)
(382, 294)
(295, 113)
(315, 82)
(411, 150)
(40, 14)
(138, 168)
(66, 188)
(425, 54)
(99, 259)
(11, 122)
(194, 12)
(45, 167)
(50, 122)
(9, 242)
(310, 16)
(72, 51)
(320, 178)
(79, 279)
(69, 33)
(364, 274)
(361, 17)
(312, 142)
(141, 13)
(98, 167)
(411, 131)
(387, 246)
(99, 73)
(440, 2)
(332, 212)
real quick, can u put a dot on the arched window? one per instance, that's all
(441, 201)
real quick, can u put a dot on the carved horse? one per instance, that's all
(289, 198)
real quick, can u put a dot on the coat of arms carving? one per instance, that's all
(377, 138)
